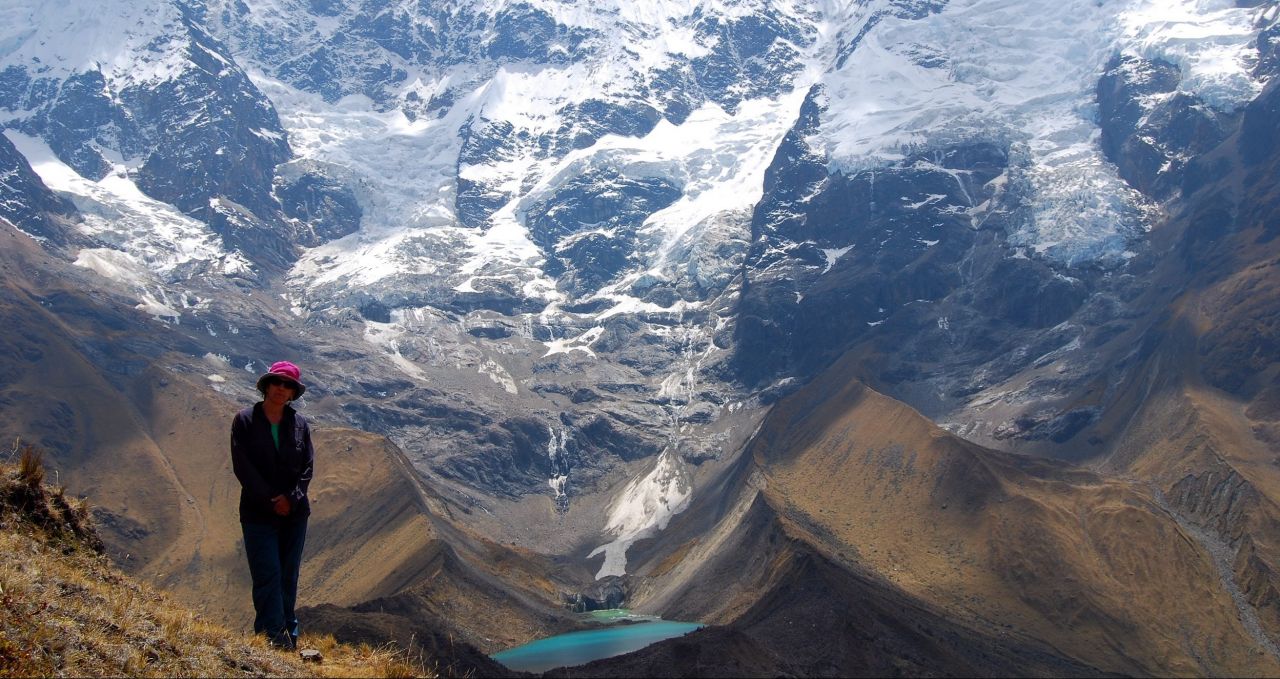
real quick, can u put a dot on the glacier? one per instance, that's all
(1024, 73)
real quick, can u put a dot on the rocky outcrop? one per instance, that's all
(1151, 130)
(604, 594)
(752, 55)
(1259, 582)
(323, 208)
(26, 202)
(588, 227)
(835, 256)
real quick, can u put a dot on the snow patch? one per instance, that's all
(386, 336)
(643, 508)
(114, 264)
(834, 255)
(158, 308)
(581, 343)
(498, 375)
(129, 43)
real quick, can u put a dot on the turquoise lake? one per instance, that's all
(576, 648)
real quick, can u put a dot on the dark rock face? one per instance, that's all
(224, 141)
(588, 227)
(524, 32)
(585, 123)
(326, 208)
(25, 200)
(243, 231)
(912, 266)
(82, 120)
(613, 434)
(375, 311)
(485, 141)
(502, 461)
(1260, 128)
(1268, 51)
(1240, 350)
(476, 202)
(607, 593)
(834, 256)
(208, 140)
(226, 145)
(754, 55)
(674, 90)
(1152, 138)
(1051, 425)
(1027, 294)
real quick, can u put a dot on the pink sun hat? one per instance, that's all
(285, 372)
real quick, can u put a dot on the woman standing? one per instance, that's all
(272, 457)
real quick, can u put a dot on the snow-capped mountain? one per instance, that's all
(570, 252)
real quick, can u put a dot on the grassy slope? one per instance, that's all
(68, 612)
(1095, 566)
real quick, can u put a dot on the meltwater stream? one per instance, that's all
(576, 648)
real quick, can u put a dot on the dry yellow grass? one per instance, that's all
(1092, 563)
(65, 611)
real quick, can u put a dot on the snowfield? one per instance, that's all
(1024, 72)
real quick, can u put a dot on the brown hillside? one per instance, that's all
(1028, 559)
(1094, 566)
(786, 605)
(1200, 419)
(369, 534)
(1208, 452)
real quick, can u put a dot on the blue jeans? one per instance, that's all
(275, 556)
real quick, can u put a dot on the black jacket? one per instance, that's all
(265, 472)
